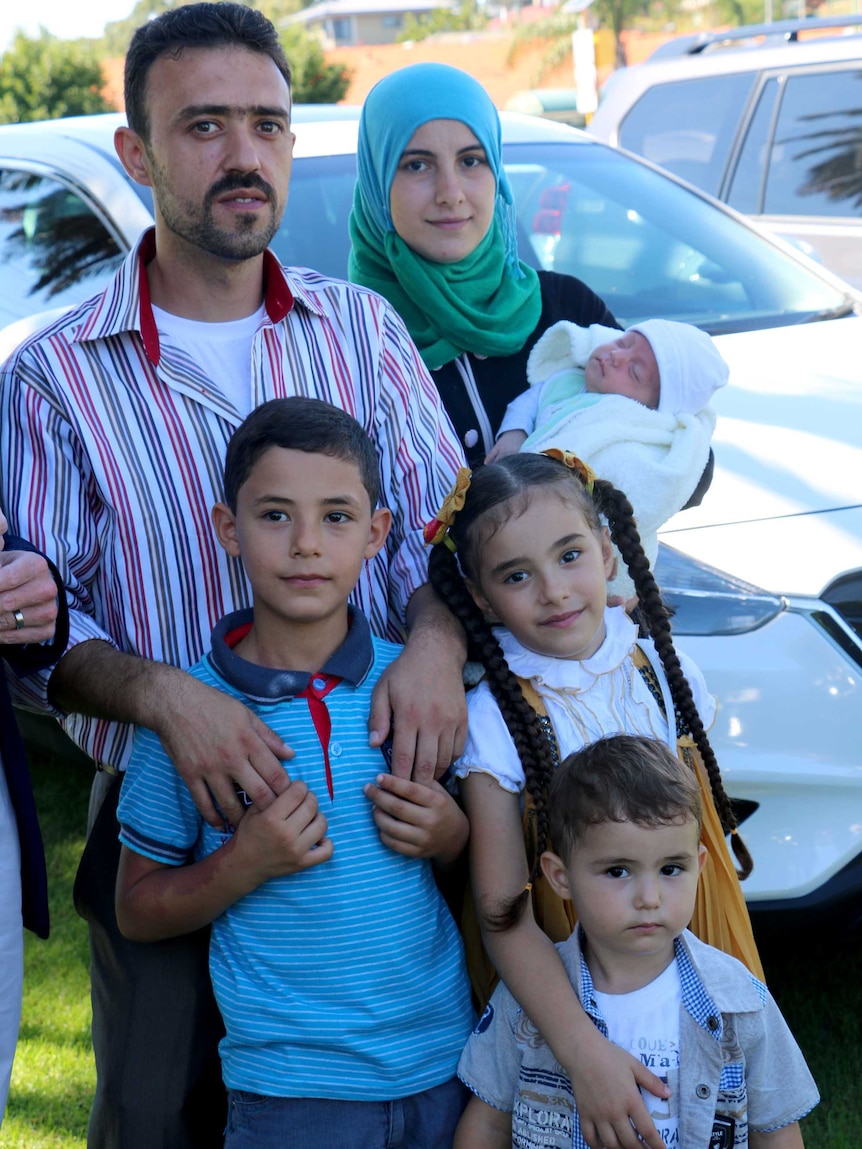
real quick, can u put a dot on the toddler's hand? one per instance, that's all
(509, 443)
(286, 837)
(417, 820)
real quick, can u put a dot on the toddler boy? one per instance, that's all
(625, 820)
(336, 965)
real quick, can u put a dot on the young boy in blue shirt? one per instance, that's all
(625, 819)
(336, 965)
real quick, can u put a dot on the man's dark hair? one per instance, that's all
(223, 25)
(624, 778)
(300, 424)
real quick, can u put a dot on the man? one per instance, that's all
(33, 631)
(118, 416)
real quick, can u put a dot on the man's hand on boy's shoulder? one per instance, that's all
(287, 836)
(417, 820)
(215, 741)
(420, 697)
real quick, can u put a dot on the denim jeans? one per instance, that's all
(422, 1121)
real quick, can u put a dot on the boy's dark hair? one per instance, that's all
(624, 778)
(497, 493)
(205, 25)
(299, 424)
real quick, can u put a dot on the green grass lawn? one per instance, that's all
(818, 984)
(53, 1077)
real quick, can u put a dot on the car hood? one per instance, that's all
(785, 507)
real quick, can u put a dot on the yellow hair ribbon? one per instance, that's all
(586, 473)
(437, 531)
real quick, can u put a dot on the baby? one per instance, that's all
(633, 404)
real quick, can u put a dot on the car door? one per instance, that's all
(798, 169)
(55, 248)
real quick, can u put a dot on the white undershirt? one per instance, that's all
(221, 350)
(645, 1023)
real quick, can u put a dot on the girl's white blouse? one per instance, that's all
(586, 700)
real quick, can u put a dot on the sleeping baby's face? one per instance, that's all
(627, 366)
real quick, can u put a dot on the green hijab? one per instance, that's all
(489, 302)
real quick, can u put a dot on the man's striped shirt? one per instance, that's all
(112, 444)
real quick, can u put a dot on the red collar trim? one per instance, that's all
(234, 637)
(149, 331)
(278, 297)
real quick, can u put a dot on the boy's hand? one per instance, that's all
(287, 836)
(416, 820)
(509, 443)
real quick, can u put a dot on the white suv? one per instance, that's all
(765, 578)
(768, 119)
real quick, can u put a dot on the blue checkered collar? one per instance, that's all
(695, 999)
(352, 661)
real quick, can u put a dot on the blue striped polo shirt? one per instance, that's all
(344, 981)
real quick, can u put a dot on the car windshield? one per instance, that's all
(646, 245)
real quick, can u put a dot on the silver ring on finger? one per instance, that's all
(19, 619)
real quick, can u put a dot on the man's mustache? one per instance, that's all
(236, 182)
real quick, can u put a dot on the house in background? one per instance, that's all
(343, 23)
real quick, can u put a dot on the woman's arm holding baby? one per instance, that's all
(155, 901)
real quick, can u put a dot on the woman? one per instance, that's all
(30, 614)
(434, 230)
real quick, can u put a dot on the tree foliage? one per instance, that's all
(555, 33)
(739, 12)
(119, 32)
(43, 77)
(314, 81)
(467, 17)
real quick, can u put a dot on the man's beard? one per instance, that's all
(250, 236)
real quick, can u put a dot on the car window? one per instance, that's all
(54, 250)
(689, 126)
(815, 165)
(314, 230)
(646, 245)
(651, 247)
(749, 178)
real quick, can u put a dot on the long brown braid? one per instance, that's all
(522, 722)
(499, 492)
(617, 509)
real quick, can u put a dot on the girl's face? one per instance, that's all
(543, 574)
(442, 197)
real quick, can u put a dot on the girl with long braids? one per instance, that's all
(522, 559)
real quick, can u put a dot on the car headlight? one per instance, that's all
(703, 600)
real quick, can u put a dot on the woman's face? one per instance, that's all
(442, 197)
